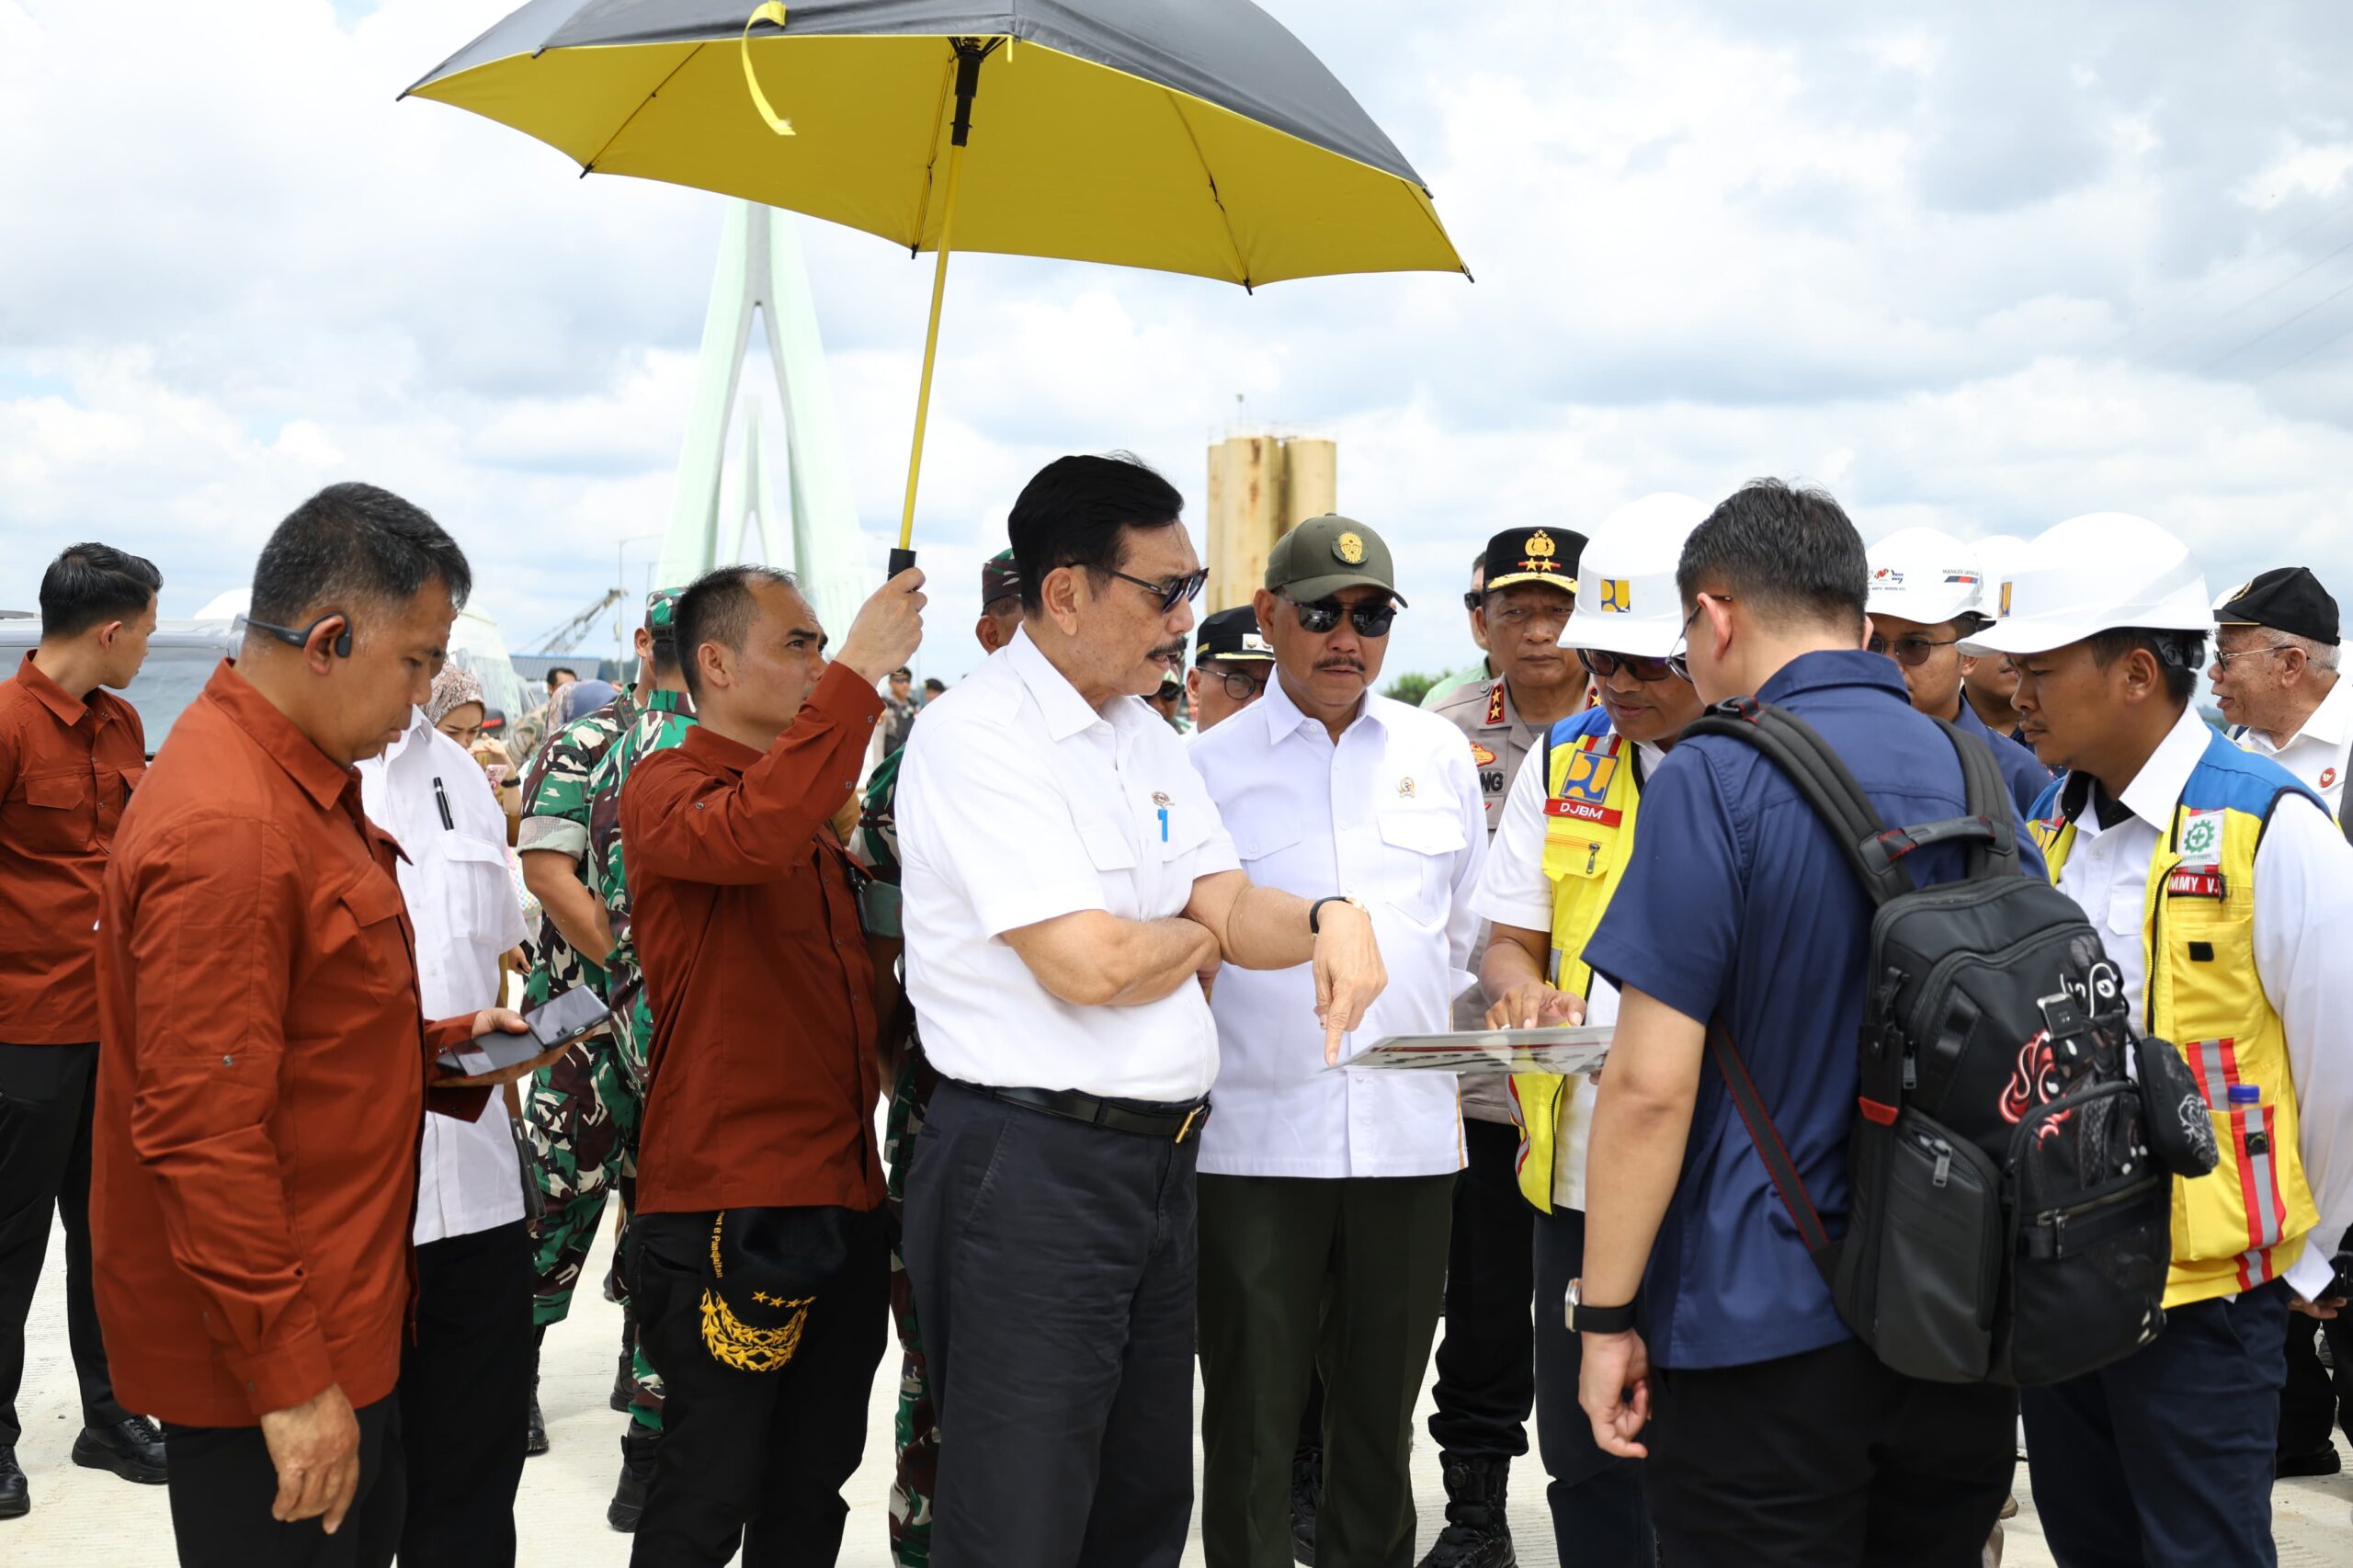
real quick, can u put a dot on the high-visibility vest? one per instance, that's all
(2244, 1223)
(1590, 797)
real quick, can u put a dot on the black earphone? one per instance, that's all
(341, 646)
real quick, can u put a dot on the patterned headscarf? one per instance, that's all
(452, 689)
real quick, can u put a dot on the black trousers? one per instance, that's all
(46, 1094)
(2165, 1457)
(1486, 1359)
(2313, 1399)
(754, 1459)
(222, 1483)
(1825, 1459)
(1599, 1517)
(1298, 1274)
(1053, 1269)
(465, 1398)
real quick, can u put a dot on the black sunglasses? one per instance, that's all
(1606, 665)
(1172, 592)
(1370, 617)
(1473, 598)
(1909, 652)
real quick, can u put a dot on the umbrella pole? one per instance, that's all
(968, 55)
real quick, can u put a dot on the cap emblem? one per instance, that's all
(1252, 643)
(1350, 548)
(2240, 592)
(1617, 596)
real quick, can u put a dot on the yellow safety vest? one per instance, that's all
(2244, 1223)
(1590, 799)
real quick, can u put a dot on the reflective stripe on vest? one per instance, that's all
(2244, 1223)
(1591, 798)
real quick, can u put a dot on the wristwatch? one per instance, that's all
(1585, 1318)
(1315, 911)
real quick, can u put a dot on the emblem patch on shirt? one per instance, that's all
(1495, 704)
(2328, 778)
(1617, 596)
(2201, 839)
(1159, 797)
(1406, 787)
(2188, 882)
(1481, 755)
(1350, 548)
(1588, 777)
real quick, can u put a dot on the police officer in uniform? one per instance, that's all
(1486, 1367)
(2224, 892)
(1559, 853)
(1232, 661)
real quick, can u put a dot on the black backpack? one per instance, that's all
(2010, 1220)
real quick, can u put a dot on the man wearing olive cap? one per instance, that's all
(1325, 1198)
(2275, 677)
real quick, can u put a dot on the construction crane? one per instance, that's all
(567, 637)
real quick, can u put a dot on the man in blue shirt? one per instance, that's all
(1773, 1435)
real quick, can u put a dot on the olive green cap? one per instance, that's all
(1324, 554)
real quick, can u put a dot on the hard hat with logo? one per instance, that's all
(2101, 571)
(1630, 604)
(1926, 575)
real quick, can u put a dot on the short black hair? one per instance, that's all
(718, 607)
(1789, 551)
(1075, 512)
(935, 683)
(902, 673)
(2179, 655)
(560, 670)
(354, 548)
(89, 585)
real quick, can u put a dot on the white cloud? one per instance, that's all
(1985, 266)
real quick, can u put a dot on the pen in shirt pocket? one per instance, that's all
(442, 799)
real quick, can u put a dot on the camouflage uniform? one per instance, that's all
(579, 1121)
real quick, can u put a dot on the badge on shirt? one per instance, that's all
(1588, 777)
(1495, 704)
(1480, 757)
(2201, 840)
(2191, 881)
(2328, 778)
(1583, 810)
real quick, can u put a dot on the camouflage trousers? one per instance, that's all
(581, 1115)
(915, 1433)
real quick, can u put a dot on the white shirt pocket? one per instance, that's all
(1418, 855)
(479, 891)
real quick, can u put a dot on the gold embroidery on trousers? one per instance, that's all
(735, 1343)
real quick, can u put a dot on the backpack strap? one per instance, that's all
(1773, 1151)
(1987, 799)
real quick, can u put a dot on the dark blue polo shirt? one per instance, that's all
(1736, 900)
(2021, 770)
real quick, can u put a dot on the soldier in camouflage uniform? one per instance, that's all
(661, 721)
(915, 1433)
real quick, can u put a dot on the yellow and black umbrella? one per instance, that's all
(1194, 136)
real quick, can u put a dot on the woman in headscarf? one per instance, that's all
(456, 706)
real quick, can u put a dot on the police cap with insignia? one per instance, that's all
(1231, 637)
(1534, 555)
(1324, 554)
(1000, 579)
(2286, 598)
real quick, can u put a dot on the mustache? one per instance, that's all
(1354, 666)
(1169, 650)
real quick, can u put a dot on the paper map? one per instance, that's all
(1577, 1050)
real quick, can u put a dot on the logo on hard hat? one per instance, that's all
(1350, 548)
(1888, 576)
(1617, 596)
(2007, 586)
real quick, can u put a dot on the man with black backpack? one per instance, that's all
(2223, 892)
(1773, 1435)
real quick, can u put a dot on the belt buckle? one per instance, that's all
(1192, 1119)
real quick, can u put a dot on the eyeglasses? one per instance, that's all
(1240, 687)
(1474, 598)
(1678, 664)
(1172, 592)
(2223, 660)
(1370, 617)
(1909, 652)
(1606, 665)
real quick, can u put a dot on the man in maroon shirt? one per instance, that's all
(70, 752)
(266, 1067)
(762, 1270)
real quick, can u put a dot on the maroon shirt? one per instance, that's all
(262, 1077)
(763, 1079)
(67, 768)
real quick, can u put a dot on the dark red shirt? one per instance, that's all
(763, 1080)
(262, 1071)
(67, 768)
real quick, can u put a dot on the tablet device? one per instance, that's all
(572, 1016)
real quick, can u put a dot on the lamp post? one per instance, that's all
(620, 606)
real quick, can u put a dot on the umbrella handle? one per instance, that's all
(901, 560)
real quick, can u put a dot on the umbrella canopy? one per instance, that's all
(1193, 136)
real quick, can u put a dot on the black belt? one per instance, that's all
(1146, 1119)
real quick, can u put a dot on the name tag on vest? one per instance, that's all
(2191, 882)
(1583, 810)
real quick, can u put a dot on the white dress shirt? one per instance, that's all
(2303, 911)
(1391, 816)
(1514, 891)
(2315, 753)
(464, 909)
(1018, 802)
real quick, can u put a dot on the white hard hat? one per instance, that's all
(1628, 602)
(1926, 575)
(1994, 554)
(2102, 572)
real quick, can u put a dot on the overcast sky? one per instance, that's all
(1983, 267)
